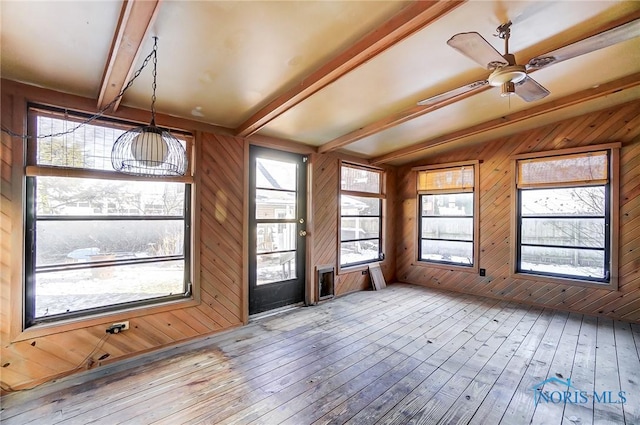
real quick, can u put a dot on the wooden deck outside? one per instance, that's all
(403, 355)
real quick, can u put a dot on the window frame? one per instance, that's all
(475, 164)
(41, 325)
(611, 216)
(381, 198)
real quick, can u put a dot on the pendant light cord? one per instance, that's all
(153, 55)
(154, 52)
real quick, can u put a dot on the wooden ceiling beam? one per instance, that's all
(412, 18)
(416, 110)
(615, 86)
(393, 120)
(136, 18)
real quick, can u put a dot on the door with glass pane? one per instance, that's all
(277, 219)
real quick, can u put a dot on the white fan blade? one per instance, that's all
(453, 93)
(475, 47)
(530, 90)
(595, 42)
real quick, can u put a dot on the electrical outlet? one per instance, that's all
(125, 325)
(118, 327)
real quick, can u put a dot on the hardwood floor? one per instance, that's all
(403, 355)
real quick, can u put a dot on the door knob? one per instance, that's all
(302, 233)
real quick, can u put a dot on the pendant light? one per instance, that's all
(149, 150)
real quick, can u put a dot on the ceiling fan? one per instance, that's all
(514, 78)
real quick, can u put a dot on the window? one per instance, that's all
(564, 216)
(97, 240)
(360, 215)
(448, 218)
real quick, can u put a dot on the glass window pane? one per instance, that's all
(360, 180)
(450, 178)
(73, 196)
(563, 261)
(85, 241)
(88, 147)
(276, 237)
(565, 201)
(359, 228)
(272, 174)
(583, 167)
(275, 267)
(448, 228)
(454, 204)
(356, 205)
(564, 232)
(447, 251)
(275, 204)
(358, 252)
(74, 290)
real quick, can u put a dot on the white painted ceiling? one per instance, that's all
(220, 62)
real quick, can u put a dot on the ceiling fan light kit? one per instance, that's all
(507, 89)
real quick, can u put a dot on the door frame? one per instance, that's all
(285, 147)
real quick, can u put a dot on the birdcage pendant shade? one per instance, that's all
(149, 151)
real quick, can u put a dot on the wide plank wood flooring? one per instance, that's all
(404, 355)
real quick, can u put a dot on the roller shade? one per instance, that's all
(460, 179)
(577, 169)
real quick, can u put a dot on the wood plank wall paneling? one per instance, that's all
(5, 216)
(222, 181)
(326, 175)
(617, 124)
(26, 363)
